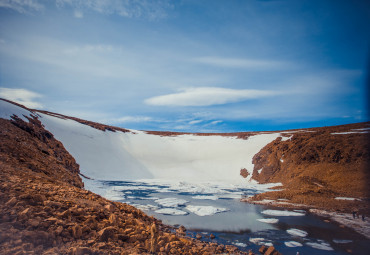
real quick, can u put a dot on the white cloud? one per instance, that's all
(21, 96)
(22, 6)
(216, 122)
(129, 119)
(206, 96)
(241, 63)
(193, 122)
(78, 14)
(149, 9)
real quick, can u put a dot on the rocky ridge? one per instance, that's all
(318, 165)
(45, 210)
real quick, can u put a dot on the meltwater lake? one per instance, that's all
(213, 208)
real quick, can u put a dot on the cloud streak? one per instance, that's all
(21, 96)
(207, 96)
(241, 63)
(149, 9)
(22, 6)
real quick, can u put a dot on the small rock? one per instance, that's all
(212, 236)
(270, 251)
(198, 236)
(106, 233)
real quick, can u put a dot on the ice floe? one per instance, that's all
(147, 207)
(240, 244)
(205, 197)
(171, 211)
(292, 244)
(269, 220)
(282, 213)
(321, 246)
(297, 232)
(342, 241)
(205, 210)
(171, 202)
(256, 240)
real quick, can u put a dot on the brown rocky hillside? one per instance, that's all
(317, 165)
(45, 210)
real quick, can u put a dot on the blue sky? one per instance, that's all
(198, 66)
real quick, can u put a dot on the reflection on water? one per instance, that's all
(236, 223)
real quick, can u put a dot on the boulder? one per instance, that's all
(106, 233)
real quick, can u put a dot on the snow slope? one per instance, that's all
(135, 155)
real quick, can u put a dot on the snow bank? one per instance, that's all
(201, 210)
(292, 244)
(282, 213)
(270, 220)
(297, 232)
(171, 202)
(138, 155)
(7, 110)
(171, 211)
(346, 198)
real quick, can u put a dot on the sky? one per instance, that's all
(189, 65)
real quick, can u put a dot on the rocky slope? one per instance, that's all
(45, 210)
(318, 165)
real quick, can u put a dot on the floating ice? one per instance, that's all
(266, 243)
(269, 220)
(297, 232)
(171, 202)
(321, 246)
(256, 240)
(240, 244)
(201, 210)
(342, 241)
(292, 244)
(146, 207)
(171, 211)
(282, 213)
(206, 197)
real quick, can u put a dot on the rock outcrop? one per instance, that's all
(317, 165)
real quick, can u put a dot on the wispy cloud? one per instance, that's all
(22, 6)
(128, 119)
(21, 96)
(241, 63)
(78, 14)
(150, 9)
(206, 96)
